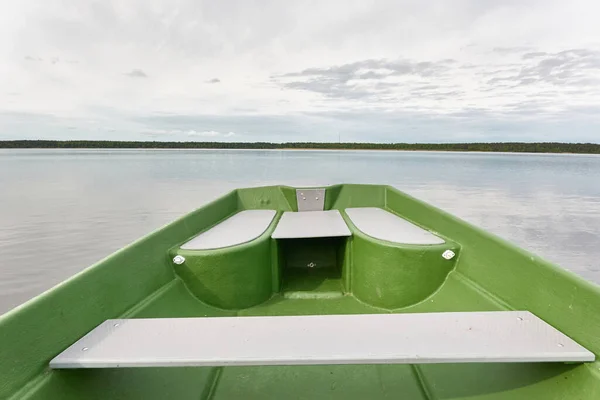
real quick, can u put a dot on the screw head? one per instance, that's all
(448, 254)
(178, 259)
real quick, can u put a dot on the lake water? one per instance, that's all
(62, 210)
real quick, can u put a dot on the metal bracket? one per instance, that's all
(310, 199)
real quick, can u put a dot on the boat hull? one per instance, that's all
(266, 277)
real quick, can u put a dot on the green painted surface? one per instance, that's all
(266, 277)
(318, 382)
(395, 276)
(231, 278)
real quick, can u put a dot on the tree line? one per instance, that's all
(510, 147)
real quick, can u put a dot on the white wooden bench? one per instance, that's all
(248, 225)
(242, 227)
(478, 337)
(311, 224)
(381, 224)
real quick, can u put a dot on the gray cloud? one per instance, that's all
(365, 79)
(136, 73)
(384, 68)
(51, 60)
(403, 81)
(573, 67)
(214, 80)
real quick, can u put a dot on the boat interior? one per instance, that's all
(283, 251)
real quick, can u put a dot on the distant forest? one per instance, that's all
(584, 148)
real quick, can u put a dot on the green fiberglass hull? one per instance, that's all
(264, 277)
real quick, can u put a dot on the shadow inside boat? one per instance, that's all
(451, 381)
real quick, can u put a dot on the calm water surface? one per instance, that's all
(62, 210)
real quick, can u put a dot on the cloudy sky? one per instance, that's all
(380, 71)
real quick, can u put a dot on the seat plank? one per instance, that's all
(243, 227)
(482, 337)
(381, 224)
(311, 224)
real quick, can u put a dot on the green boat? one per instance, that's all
(345, 291)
